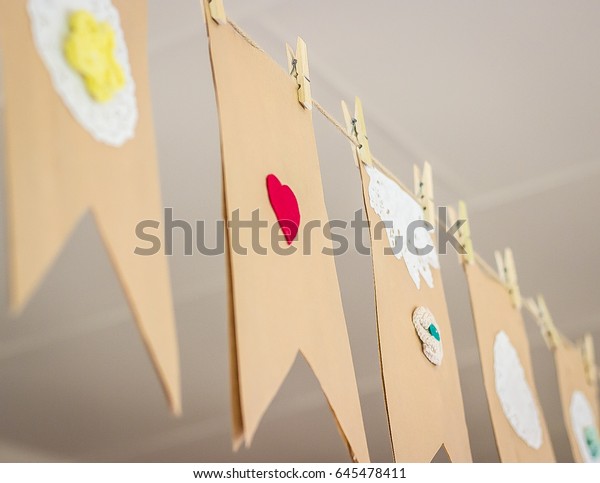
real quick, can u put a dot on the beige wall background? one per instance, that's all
(502, 99)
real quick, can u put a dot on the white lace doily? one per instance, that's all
(514, 392)
(582, 417)
(395, 206)
(113, 122)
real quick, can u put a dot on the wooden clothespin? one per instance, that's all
(508, 275)
(423, 186)
(589, 359)
(544, 319)
(298, 68)
(217, 11)
(464, 234)
(356, 128)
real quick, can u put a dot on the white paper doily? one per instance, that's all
(582, 417)
(514, 392)
(113, 122)
(395, 206)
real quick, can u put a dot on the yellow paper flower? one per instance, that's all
(90, 50)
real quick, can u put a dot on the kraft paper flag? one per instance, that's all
(579, 400)
(80, 137)
(281, 304)
(519, 426)
(418, 362)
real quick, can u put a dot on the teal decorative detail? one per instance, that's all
(593, 441)
(434, 332)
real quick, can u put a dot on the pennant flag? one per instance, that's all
(517, 418)
(281, 304)
(418, 362)
(579, 401)
(79, 138)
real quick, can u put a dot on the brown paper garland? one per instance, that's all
(280, 305)
(25, 280)
(56, 172)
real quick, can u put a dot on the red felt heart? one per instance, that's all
(284, 203)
